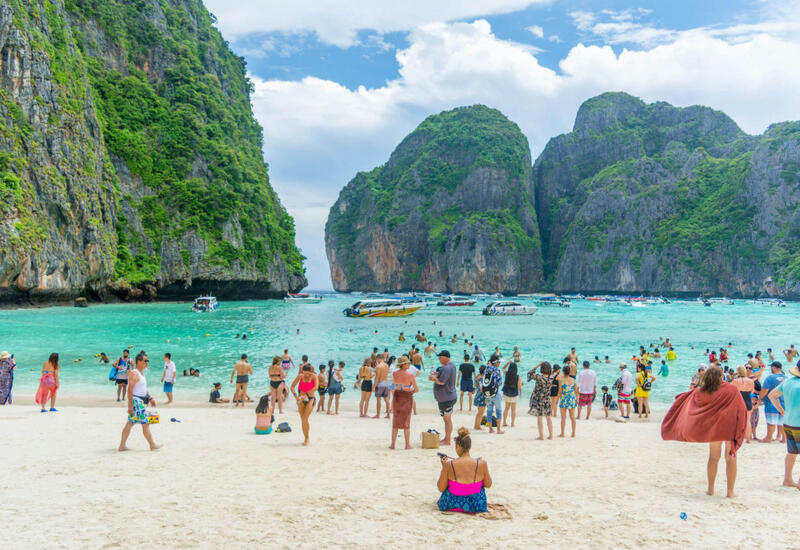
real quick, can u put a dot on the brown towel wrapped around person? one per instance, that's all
(701, 417)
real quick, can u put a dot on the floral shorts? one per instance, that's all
(139, 412)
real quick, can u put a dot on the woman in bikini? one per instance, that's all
(277, 376)
(48, 383)
(365, 378)
(304, 389)
(459, 492)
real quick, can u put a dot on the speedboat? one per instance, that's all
(572, 296)
(721, 300)
(303, 298)
(203, 304)
(456, 301)
(381, 308)
(508, 308)
(549, 300)
(774, 302)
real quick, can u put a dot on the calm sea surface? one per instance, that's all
(208, 341)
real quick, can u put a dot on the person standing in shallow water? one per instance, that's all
(304, 389)
(242, 370)
(138, 399)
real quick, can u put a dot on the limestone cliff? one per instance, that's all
(658, 199)
(449, 211)
(130, 162)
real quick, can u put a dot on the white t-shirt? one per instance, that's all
(627, 381)
(169, 372)
(587, 381)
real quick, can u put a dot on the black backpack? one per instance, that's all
(489, 384)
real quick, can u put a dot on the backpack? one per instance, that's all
(490, 384)
(283, 427)
(647, 384)
(618, 385)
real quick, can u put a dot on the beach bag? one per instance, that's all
(430, 440)
(112, 375)
(647, 384)
(618, 385)
(283, 428)
(489, 384)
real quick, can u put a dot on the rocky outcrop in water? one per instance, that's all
(638, 198)
(449, 211)
(130, 162)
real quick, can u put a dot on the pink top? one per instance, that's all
(464, 489)
(305, 387)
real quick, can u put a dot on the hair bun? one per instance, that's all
(463, 432)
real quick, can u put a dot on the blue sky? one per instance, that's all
(340, 82)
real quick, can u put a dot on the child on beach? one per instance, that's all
(754, 416)
(607, 400)
(264, 416)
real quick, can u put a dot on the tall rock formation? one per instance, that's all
(130, 160)
(450, 211)
(658, 199)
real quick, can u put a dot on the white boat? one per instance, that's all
(572, 296)
(774, 302)
(381, 308)
(721, 300)
(203, 304)
(303, 298)
(508, 308)
(480, 296)
(657, 300)
(547, 300)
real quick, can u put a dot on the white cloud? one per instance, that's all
(337, 22)
(536, 31)
(318, 134)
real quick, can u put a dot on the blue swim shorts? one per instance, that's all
(774, 419)
(167, 387)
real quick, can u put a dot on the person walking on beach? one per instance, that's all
(322, 387)
(304, 389)
(48, 383)
(138, 399)
(335, 387)
(365, 378)
(7, 366)
(382, 386)
(122, 364)
(540, 403)
(644, 381)
(466, 375)
(405, 386)
(567, 400)
(444, 390)
(773, 417)
(491, 385)
(624, 390)
(168, 378)
(242, 370)
(587, 389)
(713, 413)
(277, 381)
(786, 399)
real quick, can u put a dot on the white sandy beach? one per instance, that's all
(215, 483)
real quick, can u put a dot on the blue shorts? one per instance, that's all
(467, 385)
(167, 387)
(774, 419)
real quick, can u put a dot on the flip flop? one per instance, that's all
(44, 410)
(53, 410)
(174, 420)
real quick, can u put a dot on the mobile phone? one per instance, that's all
(441, 455)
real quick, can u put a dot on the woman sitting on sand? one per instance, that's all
(277, 382)
(405, 386)
(567, 399)
(306, 396)
(48, 383)
(264, 416)
(463, 480)
(540, 404)
(713, 413)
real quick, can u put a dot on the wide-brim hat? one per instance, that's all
(5, 355)
(403, 361)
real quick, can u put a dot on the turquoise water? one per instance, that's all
(207, 341)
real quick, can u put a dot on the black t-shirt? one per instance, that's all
(214, 396)
(467, 371)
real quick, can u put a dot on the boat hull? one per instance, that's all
(382, 312)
